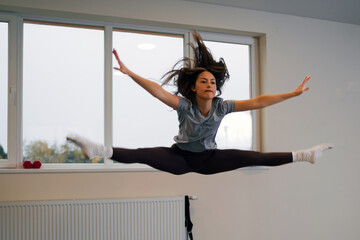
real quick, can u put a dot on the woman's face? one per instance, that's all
(205, 86)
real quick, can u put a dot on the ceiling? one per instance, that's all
(345, 11)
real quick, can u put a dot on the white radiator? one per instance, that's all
(126, 219)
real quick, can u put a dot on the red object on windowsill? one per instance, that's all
(27, 164)
(36, 164)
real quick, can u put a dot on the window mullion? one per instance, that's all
(108, 89)
(187, 49)
(18, 143)
(255, 91)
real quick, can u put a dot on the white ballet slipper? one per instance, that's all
(90, 149)
(312, 154)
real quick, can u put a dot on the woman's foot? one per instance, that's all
(312, 154)
(90, 149)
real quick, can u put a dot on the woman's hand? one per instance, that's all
(122, 68)
(301, 88)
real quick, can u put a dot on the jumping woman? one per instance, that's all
(200, 111)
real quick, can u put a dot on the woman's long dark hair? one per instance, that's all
(185, 77)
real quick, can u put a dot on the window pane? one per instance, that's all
(3, 89)
(140, 120)
(236, 129)
(63, 90)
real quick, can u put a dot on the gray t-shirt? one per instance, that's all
(196, 132)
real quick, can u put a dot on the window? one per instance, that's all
(3, 90)
(57, 77)
(8, 95)
(63, 90)
(139, 119)
(235, 130)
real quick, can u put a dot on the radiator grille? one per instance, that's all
(127, 219)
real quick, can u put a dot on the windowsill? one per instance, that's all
(74, 168)
(97, 169)
(37, 171)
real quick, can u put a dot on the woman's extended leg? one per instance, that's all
(231, 159)
(227, 160)
(161, 158)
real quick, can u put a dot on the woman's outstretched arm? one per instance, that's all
(268, 100)
(152, 87)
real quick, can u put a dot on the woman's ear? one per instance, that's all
(193, 88)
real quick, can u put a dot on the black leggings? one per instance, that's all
(177, 161)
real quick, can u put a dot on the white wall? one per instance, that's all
(296, 201)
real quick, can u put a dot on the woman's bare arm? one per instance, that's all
(152, 87)
(268, 100)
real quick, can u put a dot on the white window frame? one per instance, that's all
(15, 147)
(12, 123)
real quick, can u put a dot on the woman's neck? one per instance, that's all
(204, 106)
